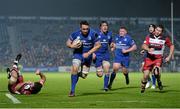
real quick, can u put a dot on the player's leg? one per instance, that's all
(15, 67)
(125, 65)
(153, 81)
(85, 70)
(116, 67)
(157, 73)
(106, 67)
(144, 80)
(146, 71)
(148, 82)
(99, 66)
(126, 74)
(74, 76)
(149, 79)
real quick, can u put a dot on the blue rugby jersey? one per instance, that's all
(122, 42)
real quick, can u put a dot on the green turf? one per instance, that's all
(89, 93)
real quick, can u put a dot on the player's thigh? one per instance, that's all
(157, 66)
(148, 64)
(76, 63)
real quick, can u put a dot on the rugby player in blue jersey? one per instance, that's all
(85, 43)
(102, 56)
(123, 44)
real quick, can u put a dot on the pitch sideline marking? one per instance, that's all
(13, 99)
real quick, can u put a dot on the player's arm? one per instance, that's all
(171, 51)
(13, 78)
(132, 48)
(145, 45)
(112, 46)
(70, 44)
(42, 76)
(97, 45)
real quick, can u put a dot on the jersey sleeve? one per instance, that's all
(110, 38)
(96, 37)
(131, 42)
(74, 35)
(168, 42)
(146, 41)
(71, 37)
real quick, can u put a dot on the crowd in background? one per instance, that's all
(43, 42)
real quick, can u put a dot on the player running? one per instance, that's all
(123, 44)
(151, 30)
(102, 56)
(16, 84)
(154, 44)
(85, 43)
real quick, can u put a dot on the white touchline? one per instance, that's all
(14, 100)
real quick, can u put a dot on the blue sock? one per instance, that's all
(106, 80)
(74, 80)
(113, 75)
(153, 80)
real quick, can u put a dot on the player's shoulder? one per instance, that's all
(75, 33)
(128, 36)
(93, 33)
(109, 33)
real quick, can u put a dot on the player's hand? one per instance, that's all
(78, 45)
(124, 51)
(112, 46)
(37, 72)
(142, 52)
(167, 59)
(86, 55)
(151, 50)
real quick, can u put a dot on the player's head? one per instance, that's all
(151, 28)
(103, 26)
(122, 31)
(158, 30)
(36, 88)
(84, 26)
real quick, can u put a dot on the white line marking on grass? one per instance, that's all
(12, 98)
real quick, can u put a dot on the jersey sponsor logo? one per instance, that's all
(157, 41)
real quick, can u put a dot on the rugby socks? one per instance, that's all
(106, 80)
(153, 80)
(127, 78)
(74, 80)
(113, 75)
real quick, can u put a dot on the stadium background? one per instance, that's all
(39, 28)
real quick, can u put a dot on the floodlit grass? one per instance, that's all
(89, 93)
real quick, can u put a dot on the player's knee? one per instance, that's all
(84, 74)
(99, 72)
(156, 71)
(124, 70)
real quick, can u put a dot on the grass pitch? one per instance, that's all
(89, 93)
